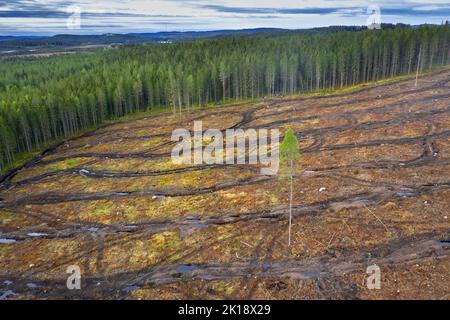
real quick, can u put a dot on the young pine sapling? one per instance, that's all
(289, 153)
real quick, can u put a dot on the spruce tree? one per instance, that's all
(289, 153)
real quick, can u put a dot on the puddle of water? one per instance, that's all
(84, 172)
(37, 234)
(186, 268)
(131, 288)
(197, 223)
(311, 273)
(8, 282)
(406, 194)
(32, 285)
(442, 243)
(7, 241)
(7, 294)
(121, 194)
(365, 200)
(265, 266)
(93, 230)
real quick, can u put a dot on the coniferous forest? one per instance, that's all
(45, 99)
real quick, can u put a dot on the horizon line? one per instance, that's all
(43, 35)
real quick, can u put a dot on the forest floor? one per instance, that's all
(373, 188)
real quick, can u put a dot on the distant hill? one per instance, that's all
(174, 35)
(13, 44)
(12, 38)
(66, 40)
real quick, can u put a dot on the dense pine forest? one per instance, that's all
(45, 99)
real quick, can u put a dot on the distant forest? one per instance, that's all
(46, 99)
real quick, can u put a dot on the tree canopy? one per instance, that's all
(289, 148)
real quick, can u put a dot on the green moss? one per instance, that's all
(223, 287)
(274, 199)
(130, 211)
(4, 248)
(6, 217)
(168, 240)
(64, 165)
(190, 179)
(102, 209)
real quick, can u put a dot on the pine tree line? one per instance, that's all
(46, 99)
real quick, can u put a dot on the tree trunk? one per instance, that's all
(418, 65)
(290, 205)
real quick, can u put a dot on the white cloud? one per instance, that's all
(100, 16)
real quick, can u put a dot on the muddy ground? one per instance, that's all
(372, 187)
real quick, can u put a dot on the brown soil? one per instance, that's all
(140, 227)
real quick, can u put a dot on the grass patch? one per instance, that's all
(102, 209)
(64, 165)
(6, 217)
(224, 288)
(4, 249)
(168, 240)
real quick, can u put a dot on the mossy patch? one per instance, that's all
(103, 209)
(191, 179)
(4, 248)
(143, 252)
(6, 217)
(224, 288)
(64, 165)
(168, 240)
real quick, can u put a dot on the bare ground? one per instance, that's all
(139, 226)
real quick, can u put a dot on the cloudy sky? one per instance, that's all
(19, 17)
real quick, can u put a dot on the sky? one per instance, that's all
(49, 17)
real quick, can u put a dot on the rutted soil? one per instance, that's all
(372, 187)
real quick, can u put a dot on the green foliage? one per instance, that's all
(43, 100)
(289, 148)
